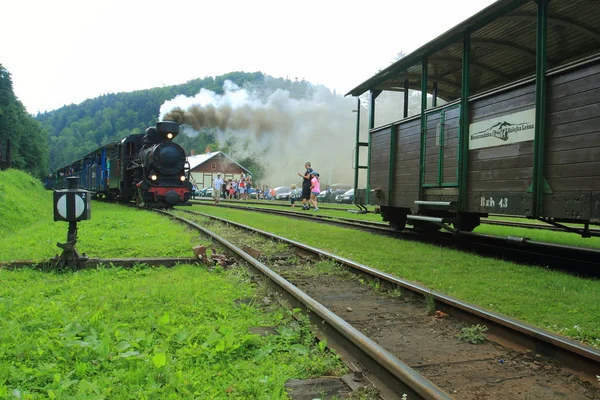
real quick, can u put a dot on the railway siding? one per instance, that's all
(398, 321)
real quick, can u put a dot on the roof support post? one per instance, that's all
(374, 94)
(357, 145)
(539, 181)
(435, 95)
(406, 88)
(423, 124)
(463, 137)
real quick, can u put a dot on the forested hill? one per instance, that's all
(20, 134)
(76, 130)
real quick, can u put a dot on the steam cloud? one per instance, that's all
(280, 131)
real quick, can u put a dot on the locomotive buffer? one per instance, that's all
(71, 205)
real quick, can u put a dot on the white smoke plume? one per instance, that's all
(279, 131)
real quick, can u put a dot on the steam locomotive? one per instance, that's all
(147, 169)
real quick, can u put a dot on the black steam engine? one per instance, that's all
(153, 167)
(148, 169)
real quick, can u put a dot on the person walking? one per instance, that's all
(217, 185)
(315, 189)
(293, 195)
(306, 186)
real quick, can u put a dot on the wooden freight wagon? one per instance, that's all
(501, 115)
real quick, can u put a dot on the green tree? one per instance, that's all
(28, 141)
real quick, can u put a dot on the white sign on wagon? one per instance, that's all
(507, 129)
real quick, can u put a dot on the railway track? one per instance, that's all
(532, 224)
(382, 331)
(517, 249)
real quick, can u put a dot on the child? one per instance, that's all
(293, 195)
(315, 189)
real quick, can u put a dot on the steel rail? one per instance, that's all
(394, 377)
(306, 215)
(525, 225)
(576, 356)
(532, 225)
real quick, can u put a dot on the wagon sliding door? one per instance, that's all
(440, 166)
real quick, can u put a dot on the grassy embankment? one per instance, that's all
(551, 300)
(138, 333)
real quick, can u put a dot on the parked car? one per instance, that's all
(336, 190)
(206, 192)
(282, 193)
(347, 197)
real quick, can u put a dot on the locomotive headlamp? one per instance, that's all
(169, 135)
(182, 178)
(153, 177)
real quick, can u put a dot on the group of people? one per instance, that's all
(236, 188)
(311, 187)
(231, 188)
(239, 189)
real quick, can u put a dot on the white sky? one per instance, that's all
(62, 52)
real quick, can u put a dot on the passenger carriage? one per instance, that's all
(507, 120)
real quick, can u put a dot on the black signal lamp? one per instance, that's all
(72, 204)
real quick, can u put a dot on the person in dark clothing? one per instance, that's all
(306, 186)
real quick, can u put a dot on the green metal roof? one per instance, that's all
(503, 47)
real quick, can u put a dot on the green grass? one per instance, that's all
(113, 231)
(20, 199)
(548, 299)
(29, 232)
(135, 333)
(147, 333)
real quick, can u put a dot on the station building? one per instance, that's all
(205, 167)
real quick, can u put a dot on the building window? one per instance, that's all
(213, 166)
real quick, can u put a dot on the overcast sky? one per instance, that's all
(63, 52)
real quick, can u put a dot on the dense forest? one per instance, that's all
(22, 139)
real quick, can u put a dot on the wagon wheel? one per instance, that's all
(398, 223)
(467, 223)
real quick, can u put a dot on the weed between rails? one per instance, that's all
(429, 304)
(473, 334)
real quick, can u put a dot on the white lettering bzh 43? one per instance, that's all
(490, 202)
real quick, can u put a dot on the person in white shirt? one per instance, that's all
(217, 185)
